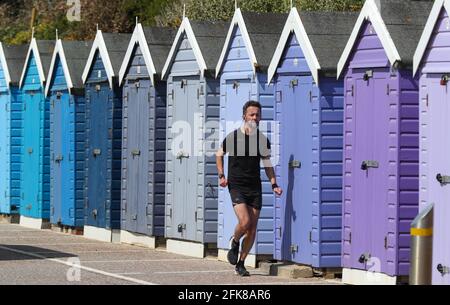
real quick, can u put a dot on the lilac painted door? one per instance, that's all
(237, 94)
(439, 163)
(294, 237)
(370, 168)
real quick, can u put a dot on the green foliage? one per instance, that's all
(119, 15)
(224, 9)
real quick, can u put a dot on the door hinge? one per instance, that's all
(6, 107)
(310, 96)
(126, 206)
(353, 90)
(310, 237)
(279, 232)
(385, 242)
(170, 212)
(350, 238)
(388, 89)
(427, 100)
(24, 106)
(196, 216)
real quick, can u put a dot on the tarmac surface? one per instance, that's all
(45, 257)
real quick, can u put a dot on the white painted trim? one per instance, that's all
(370, 11)
(35, 50)
(98, 234)
(238, 20)
(5, 66)
(34, 223)
(186, 248)
(99, 44)
(185, 28)
(137, 239)
(59, 50)
(362, 277)
(250, 261)
(138, 38)
(295, 24)
(428, 31)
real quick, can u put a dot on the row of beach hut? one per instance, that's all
(90, 134)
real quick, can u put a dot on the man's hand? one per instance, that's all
(278, 191)
(223, 182)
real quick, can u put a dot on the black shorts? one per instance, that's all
(251, 198)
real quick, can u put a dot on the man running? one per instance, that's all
(246, 147)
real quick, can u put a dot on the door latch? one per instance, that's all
(181, 228)
(443, 270)
(368, 75)
(293, 83)
(30, 150)
(95, 213)
(443, 180)
(59, 159)
(295, 164)
(236, 85)
(181, 155)
(136, 152)
(364, 258)
(97, 152)
(366, 165)
(294, 249)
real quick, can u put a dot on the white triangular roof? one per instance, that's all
(185, 28)
(100, 45)
(138, 38)
(5, 66)
(370, 11)
(295, 25)
(238, 20)
(59, 50)
(33, 49)
(428, 31)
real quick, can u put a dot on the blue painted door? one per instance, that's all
(138, 214)
(31, 155)
(4, 153)
(68, 163)
(293, 238)
(57, 159)
(237, 94)
(186, 106)
(97, 159)
(144, 211)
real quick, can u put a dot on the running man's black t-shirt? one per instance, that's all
(244, 159)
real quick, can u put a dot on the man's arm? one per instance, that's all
(270, 172)
(219, 162)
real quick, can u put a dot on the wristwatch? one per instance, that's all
(221, 176)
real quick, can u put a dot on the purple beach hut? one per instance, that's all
(381, 140)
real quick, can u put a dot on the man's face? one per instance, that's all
(253, 116)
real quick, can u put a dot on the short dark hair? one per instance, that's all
(251, 104)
